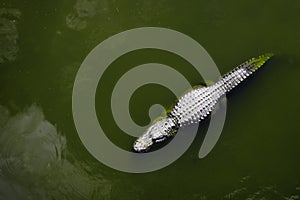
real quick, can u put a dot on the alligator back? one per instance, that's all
(197, 104)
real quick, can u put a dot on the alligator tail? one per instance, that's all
(255, 63)
(240, 73)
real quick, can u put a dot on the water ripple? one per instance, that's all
(270, 192)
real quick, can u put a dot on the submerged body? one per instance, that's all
(196, 105)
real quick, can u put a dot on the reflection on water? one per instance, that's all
(8, 34)
(248, 192)
(84, 10)
(33, 163)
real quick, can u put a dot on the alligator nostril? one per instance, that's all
(134, 150)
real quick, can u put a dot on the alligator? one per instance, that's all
(196, 105)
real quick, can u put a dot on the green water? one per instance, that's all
(43, 43)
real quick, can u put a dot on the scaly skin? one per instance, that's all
(196, 105)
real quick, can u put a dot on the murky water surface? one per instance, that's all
(42, 44)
